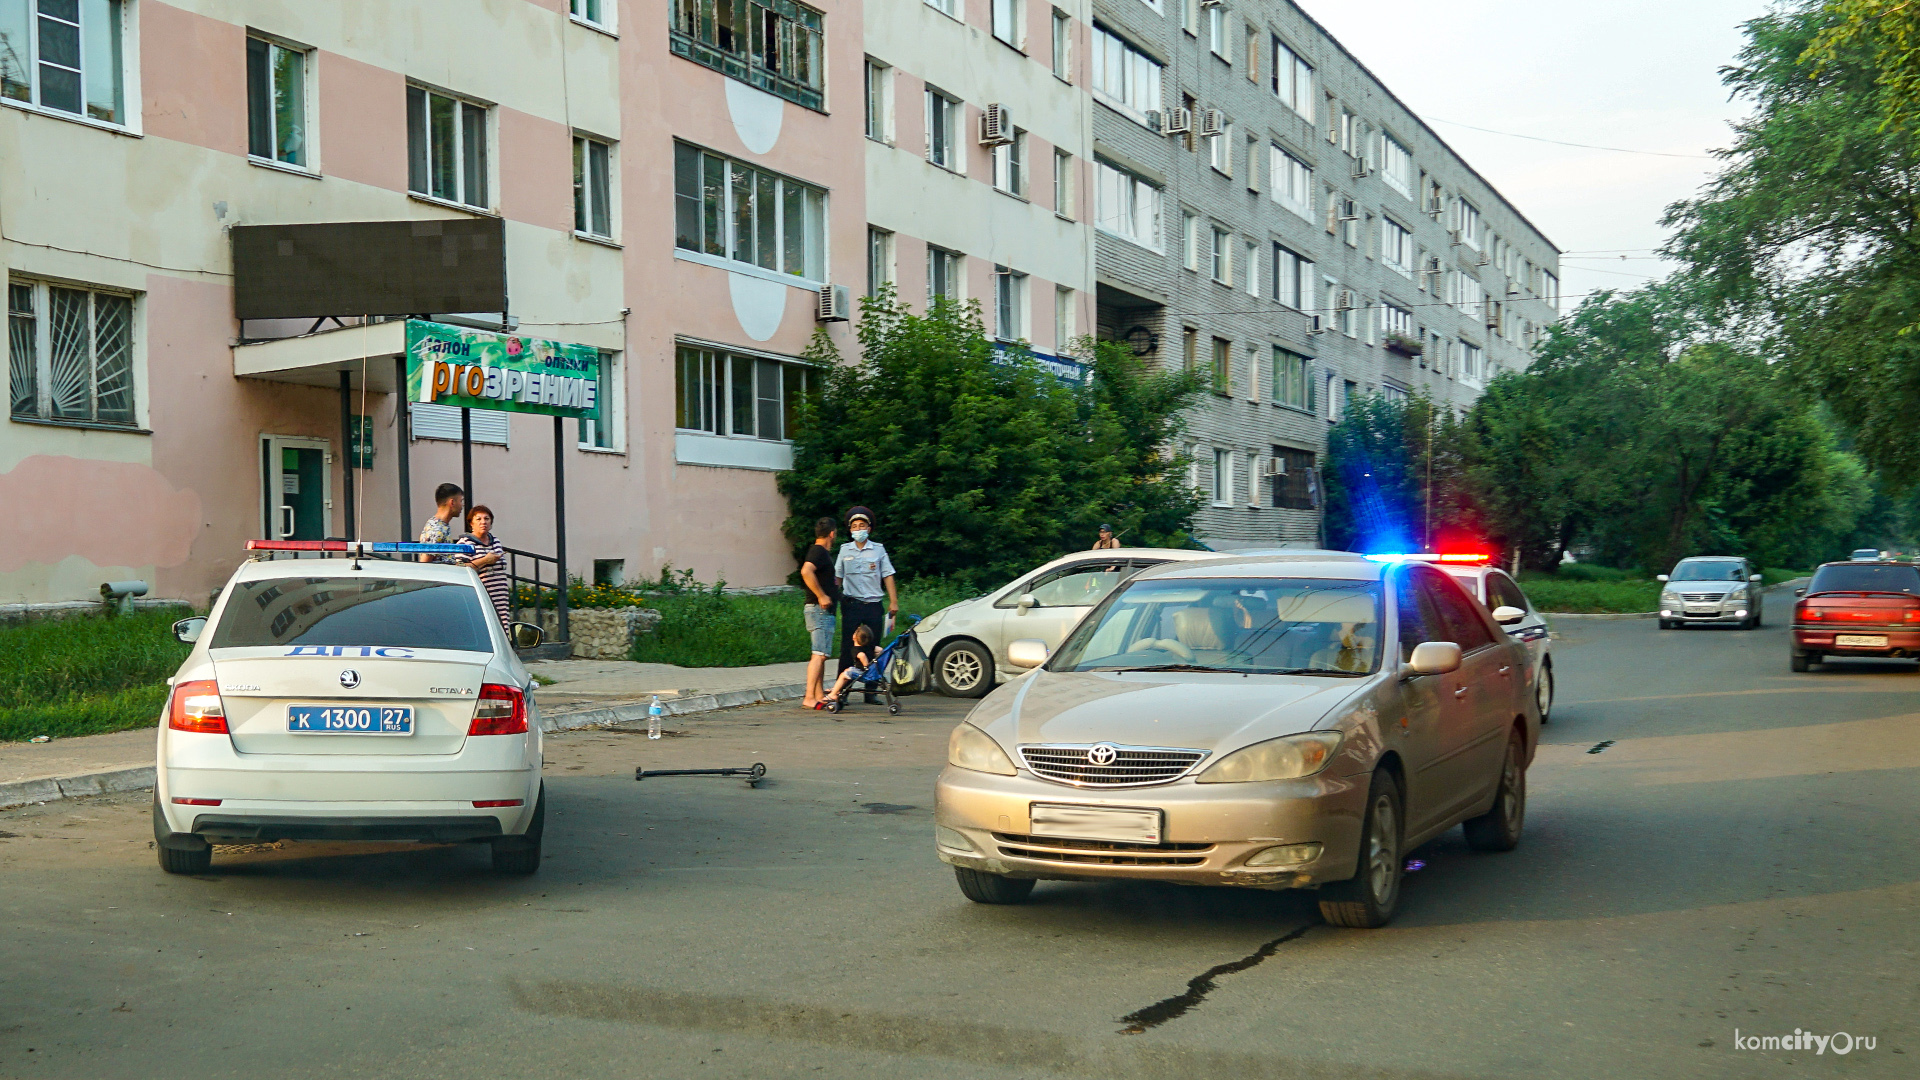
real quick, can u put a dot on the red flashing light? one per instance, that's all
(296, 545)
(195, 706)
(488, 803)
(196, 802)
(502, 711)
(1463, 557)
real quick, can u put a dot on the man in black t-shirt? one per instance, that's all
(816, 575)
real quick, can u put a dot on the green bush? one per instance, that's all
(83, 676)
(1594, 572)
(702, 628)
(1550, 592)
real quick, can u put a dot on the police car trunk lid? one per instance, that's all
(257, 686)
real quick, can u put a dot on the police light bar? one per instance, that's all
(359, 547)
(1460, 557)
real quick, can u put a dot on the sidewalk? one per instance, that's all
(583, 693)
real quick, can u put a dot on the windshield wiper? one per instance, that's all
(1320, 671)
(1178, 667)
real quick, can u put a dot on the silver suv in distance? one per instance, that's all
(1711, 589)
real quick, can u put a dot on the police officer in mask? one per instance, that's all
(863, 571)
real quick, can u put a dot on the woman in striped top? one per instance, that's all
(489, 558)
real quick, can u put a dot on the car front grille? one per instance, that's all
(1128, 766)
(1701, 597)
(1100, 852)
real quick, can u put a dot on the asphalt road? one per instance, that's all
(1739, 856)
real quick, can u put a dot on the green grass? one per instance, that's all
(704, 630)
(84, 676)
(1622, 595)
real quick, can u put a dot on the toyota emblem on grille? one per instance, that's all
(1103, 754)
(349, 678)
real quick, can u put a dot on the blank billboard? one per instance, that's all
(369, 268)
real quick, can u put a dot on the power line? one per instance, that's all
(1563, 142)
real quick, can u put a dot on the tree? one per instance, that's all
(979, 465)
(1890, 30)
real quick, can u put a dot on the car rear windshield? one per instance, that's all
(1880, 579)
(1715, 570)
(1250, 625)
(354, 611)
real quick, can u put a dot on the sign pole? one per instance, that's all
(400, 426)
(346, 451)
(466, 453)
(560, 520)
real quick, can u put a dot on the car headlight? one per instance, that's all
(970, 748)
(930, 621)
(1737, 596)
(1667, 596)
(1289, 758)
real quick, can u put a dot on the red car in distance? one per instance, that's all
(1869, 609)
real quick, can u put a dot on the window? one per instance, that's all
(1222, 475)
(1220, 147)
(1010, 165)
(1190, 16)
(1250, 268)
(1063, 183)
(1396, 322)
(1123, 76)
(943, 275)
(1292, 278)
(1396, 165)
(1127, 206)
(276, 102)
(592, 187)
(1349, 221)
(1253, 163)
(1063, 327)
(1006, 21)
(945, 139)
(733, 211)
(1189, 240)
(1189, 349)
(1290, 182)
(1009, 304)
(774, 45)
(1293, 478)
(69, 353)
(446, 147)
(1252, 54)
(1219, 257)
(1466, 221)
(945, 7)
(1468, 296)
(592, 11)
(1062, 44)
(602, 434)
(64, 55)
(1551, 292)
(1217, 30)
(1222, 370)
(1292, 80)
(879, 259)
(1473, 362)
(1396, 246)
(745, 397)
(1290, 379)
(879, 105)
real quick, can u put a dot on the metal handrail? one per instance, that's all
(515, 579)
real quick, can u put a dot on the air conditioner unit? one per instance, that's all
(1485, 259)
(1513, 287)
(996, 126)
(1454, 237)
(1436, 206)
(1212, 122)
(1273, 466)
(1212, 3)
(1360, 169)
(1316, 324)
(1344, 301)
(1433, 265)
(834, 304)
(1493, 320)
(1176, 121)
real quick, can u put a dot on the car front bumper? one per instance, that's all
(1735, 614)
(984, 822)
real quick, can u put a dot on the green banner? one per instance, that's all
(479, 369)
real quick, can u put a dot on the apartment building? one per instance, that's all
(677, 184)
(1269, 213)
(979, 155)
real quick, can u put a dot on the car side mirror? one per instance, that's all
(1434, 658)
(1661, 577)
(1800, 592)
(1507, 614)
(189, 630)
(525, 635)
(1756, 579)
(1027, 653)
(1026, 601)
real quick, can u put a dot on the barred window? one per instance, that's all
(775, 45)
(69, 353)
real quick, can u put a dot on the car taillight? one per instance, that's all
(502, 711)
(1808, 612)
(196, 707)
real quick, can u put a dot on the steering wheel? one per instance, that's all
(1164, 645)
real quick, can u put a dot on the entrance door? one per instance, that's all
(297, 487)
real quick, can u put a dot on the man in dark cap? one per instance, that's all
(862, 571)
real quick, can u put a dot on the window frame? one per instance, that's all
(1220, 255)
(815, 252)
(1009, 305)
(609, 427)
(800, 38)
(880, 256)
(1290, 268)
(1062, 55)
(946, 141)
(1291, 378)
(1010, 166)
(1216, 31)
(1285, 173)
(1004, 22)
(1063, 183)
(715, 395)
(1293, 480)
(952, 267)
(878, 90)
(1220, 366)
(120, 78)
(1396, 164)
(273, 45)
(1141, 217)
(39, 323)
(581, 11)
(1396, 247)
(1222, 477)
(1291, 80)
(586, 207)
(1138, 94)
(1064, 322)
(463, 169)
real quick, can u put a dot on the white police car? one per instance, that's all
(1508, 604)
(349, 697)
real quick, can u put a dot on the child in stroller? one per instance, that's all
(868, 669)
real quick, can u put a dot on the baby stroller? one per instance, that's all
(877, 678)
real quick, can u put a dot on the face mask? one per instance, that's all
(859, 536)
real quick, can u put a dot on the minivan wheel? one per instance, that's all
(1499, 828)
(984, 888)
(963, 669)
(521, 854)
(1367, 899)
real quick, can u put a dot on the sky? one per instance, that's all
(1635, 74)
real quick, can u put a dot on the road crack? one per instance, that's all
(1200, 986)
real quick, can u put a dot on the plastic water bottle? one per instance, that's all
(653, 718)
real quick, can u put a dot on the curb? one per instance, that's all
(50, 789)
(1551, 615)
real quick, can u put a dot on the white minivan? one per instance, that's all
(352, 698)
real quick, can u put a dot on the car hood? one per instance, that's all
(1185, 709)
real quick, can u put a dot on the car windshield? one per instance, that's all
(1249, 625)
(1880, 579)
(353, 611)
(1714, 570)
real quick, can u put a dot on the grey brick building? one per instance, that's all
(1268, 211)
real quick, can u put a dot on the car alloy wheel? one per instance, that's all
(1368, 898)
(1499, 828)
(963, 669)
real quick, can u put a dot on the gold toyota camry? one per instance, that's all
(1282, 722)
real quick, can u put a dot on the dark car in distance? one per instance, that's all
(1857, 608)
